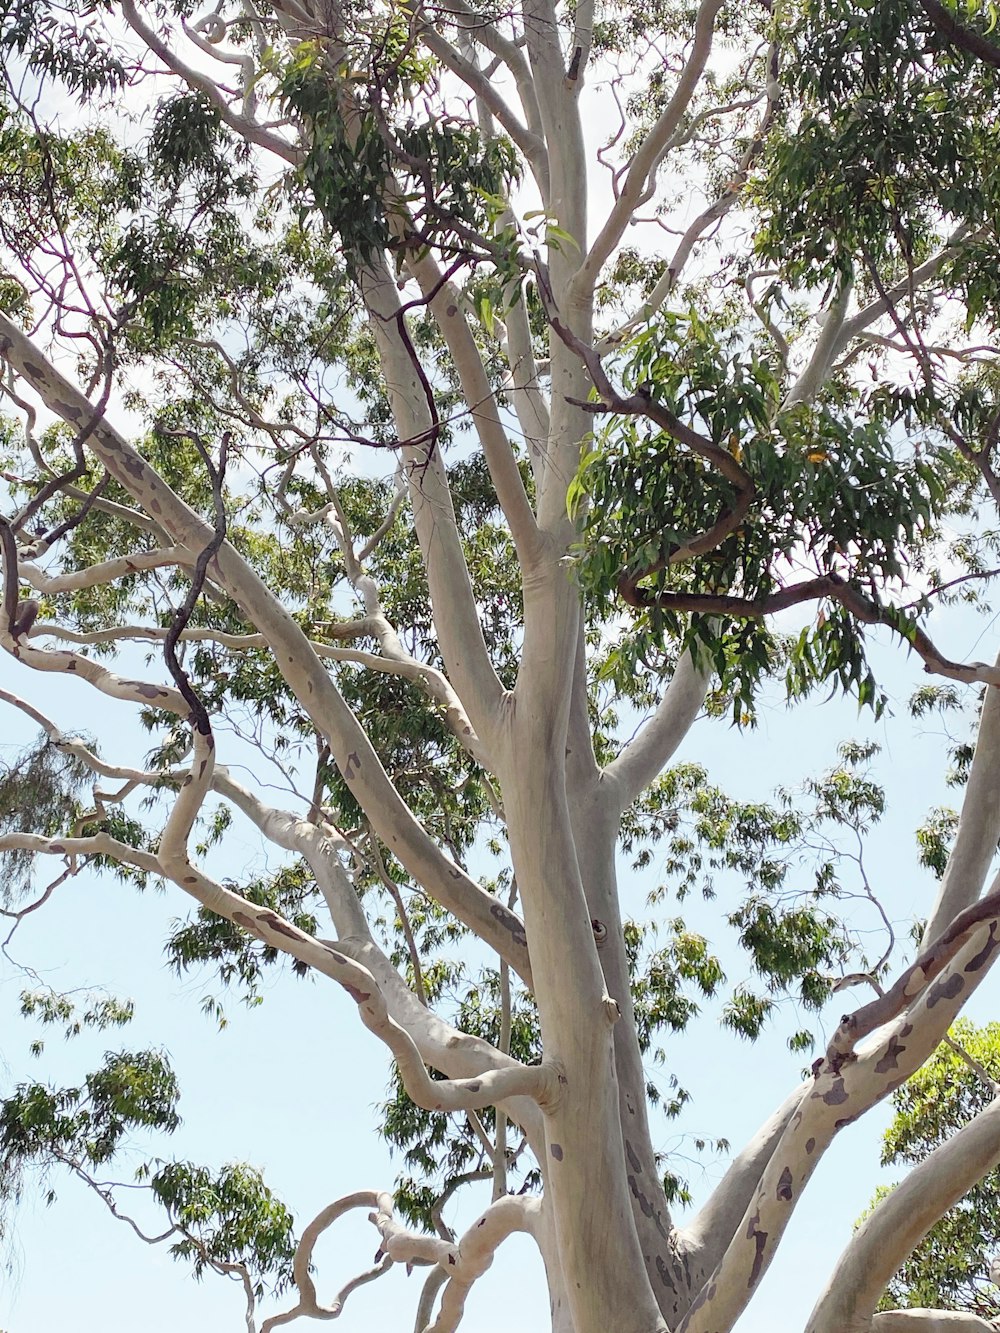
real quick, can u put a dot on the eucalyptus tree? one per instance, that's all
(239, 242)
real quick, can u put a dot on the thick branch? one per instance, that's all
(456, 615)
(901, 1220)
(447, 311)
(711, 1231)
(844, 1088)
(978, 826)
(645, 756)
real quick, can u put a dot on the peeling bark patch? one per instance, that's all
(556, 1150)
(146, 690)
(810, 1144)
(836, 1096)
(664, 1274)
(36, 372)
(358, 996)
(760, 1240)
(352, 766)
(945, 989)
(629, 1106)
(67, 410)
(633, 1160)
(848, 1119)
(906, 1029)
(509, 922)
(337, 957)
(645, 1207)
(277, 925)
(247, 922)
(474, 1087)
(986, 952)
(56, 847)
(891, 1058)
(785, 1185)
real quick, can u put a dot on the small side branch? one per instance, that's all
(465, 1262)
(308, 1303)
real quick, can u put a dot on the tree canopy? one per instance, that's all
(417, 419)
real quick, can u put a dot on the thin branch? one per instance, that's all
(649, 150)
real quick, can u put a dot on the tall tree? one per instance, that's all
(321, 225)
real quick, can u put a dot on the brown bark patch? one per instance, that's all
(836, 1095)
(945, 989)
(986, 952)
(556, 1150)
(891, 1058)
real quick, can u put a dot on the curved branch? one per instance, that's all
(465, 1262)
(863, 608)
(209, 88)
(538, 1083)
(901, 1220)
(308, 1303)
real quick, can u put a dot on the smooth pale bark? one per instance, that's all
(645, 757)
(456, 616)
(901, 1220)
(818, 366)
(929, 1321)
(978, 826)
(600, 1255)
(704, 1241)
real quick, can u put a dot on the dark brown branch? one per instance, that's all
(863, 608)
(959, 35)
(199, 713)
